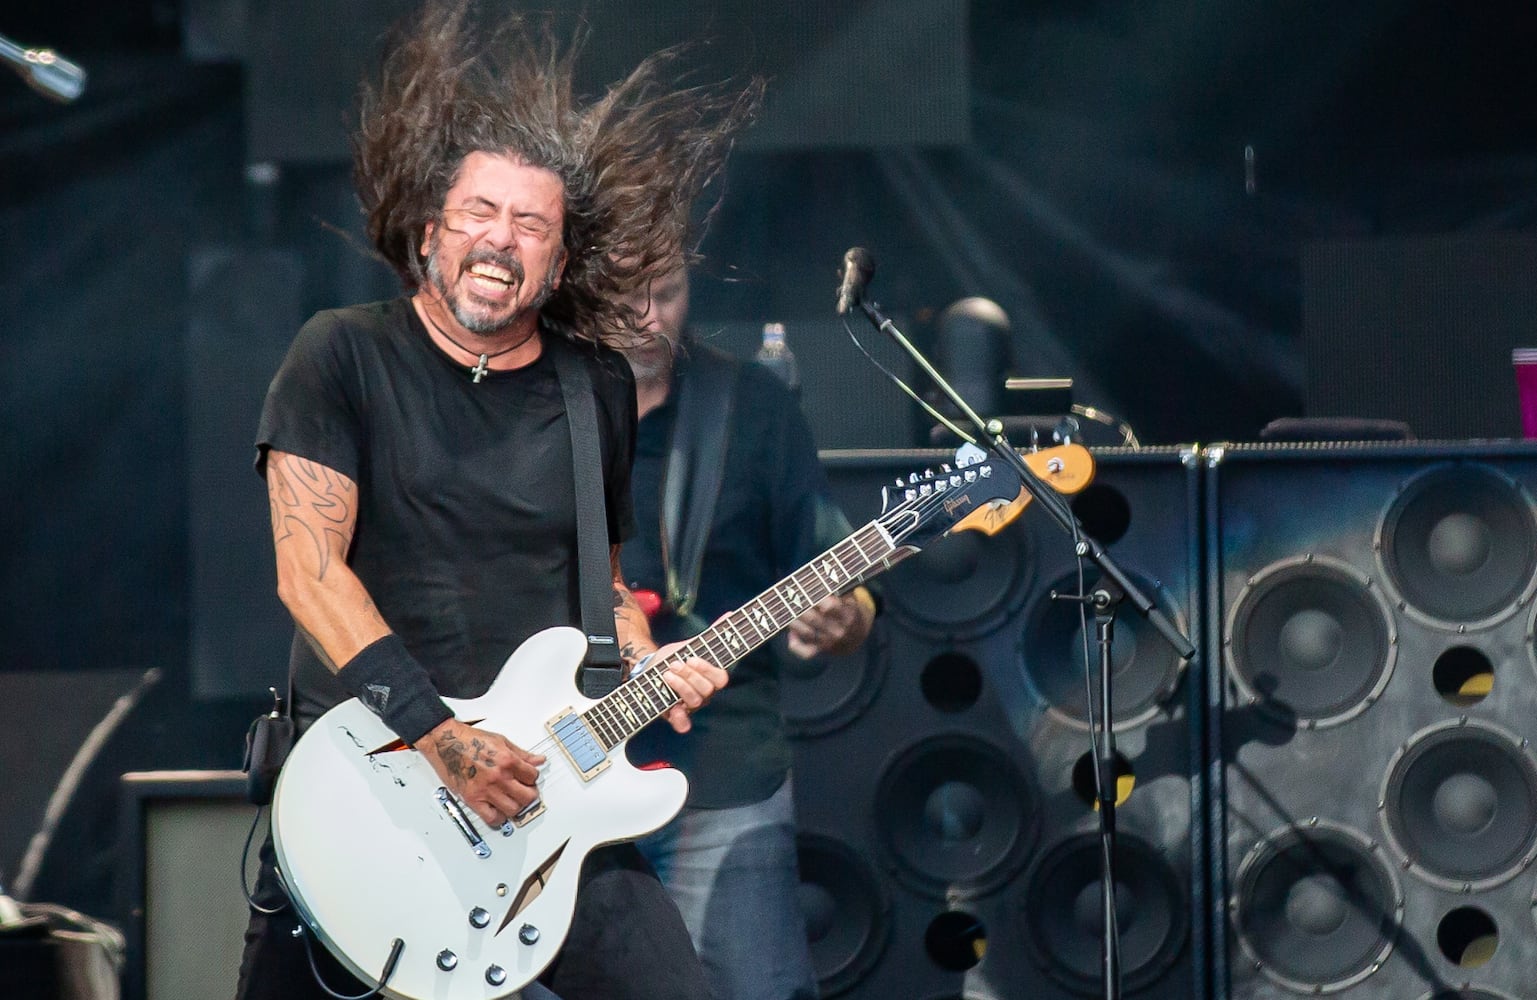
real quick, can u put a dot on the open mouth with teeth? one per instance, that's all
(492, 280)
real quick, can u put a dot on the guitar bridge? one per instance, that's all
(578, 744)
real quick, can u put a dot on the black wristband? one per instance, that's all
(386, 678)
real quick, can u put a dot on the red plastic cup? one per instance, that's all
(1525, 361)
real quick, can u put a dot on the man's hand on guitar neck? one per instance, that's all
(693, 680)
(487, 772)
(837, 626)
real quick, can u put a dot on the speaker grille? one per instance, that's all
(964, 585)
(848, 913)
(1064, 920)
(1310, 641)
(1460, 805)
(955, 814)
(1145, 669)
(824, 694)
(1460, 544)
(1316, 909)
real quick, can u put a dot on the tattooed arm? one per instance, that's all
(692, 680)
(630, 624)
(314, 514)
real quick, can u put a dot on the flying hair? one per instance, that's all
(457, 78)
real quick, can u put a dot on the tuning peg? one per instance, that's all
(898, 482)
(944, 467)
(912, 479)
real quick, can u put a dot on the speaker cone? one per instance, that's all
(1460, 805)
(1145, 670)
(955, 814)
(963, 585)
(1310, 641)
(826, 693)
(1064, 913)
(1316, 908)
(848, 914)
(1460, 544)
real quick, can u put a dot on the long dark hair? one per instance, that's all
(634, 162)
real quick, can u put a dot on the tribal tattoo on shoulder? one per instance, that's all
(311, 505)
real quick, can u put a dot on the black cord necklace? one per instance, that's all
(479, 369)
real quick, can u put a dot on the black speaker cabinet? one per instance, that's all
(179, 854)
(943, 774)
(1370, 631)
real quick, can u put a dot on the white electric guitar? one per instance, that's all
(411, 890)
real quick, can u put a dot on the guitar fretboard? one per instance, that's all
(638, 702)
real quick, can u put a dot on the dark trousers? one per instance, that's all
(627, 941)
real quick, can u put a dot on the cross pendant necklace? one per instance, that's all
(479, 369)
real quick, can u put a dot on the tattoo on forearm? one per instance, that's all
(310, 505)
(451, 751)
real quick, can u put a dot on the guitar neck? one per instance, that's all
(636, 703)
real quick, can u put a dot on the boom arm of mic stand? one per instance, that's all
(1048, 498)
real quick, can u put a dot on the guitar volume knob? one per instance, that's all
(479, 917)
(447, 960)
(496, 975)
(528, 934)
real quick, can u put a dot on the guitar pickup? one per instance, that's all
(578, 744)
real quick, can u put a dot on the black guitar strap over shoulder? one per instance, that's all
(696, 464)
(603, 671)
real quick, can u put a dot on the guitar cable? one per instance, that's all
(245, 868)
(299, 930)
(396, 948)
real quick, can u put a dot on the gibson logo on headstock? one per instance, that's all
(955, 504)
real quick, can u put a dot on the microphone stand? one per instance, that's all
(1115, 586)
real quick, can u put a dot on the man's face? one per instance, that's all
(502, 221)
(663, 307)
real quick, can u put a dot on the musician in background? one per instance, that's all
(729, 858)
(417, 451)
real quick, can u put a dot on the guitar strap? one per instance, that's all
(696, 464)
(602, 671)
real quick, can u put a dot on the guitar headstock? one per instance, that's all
(977, 494)
(924, 505)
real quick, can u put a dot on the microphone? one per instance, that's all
(858, 269)
(45, 71)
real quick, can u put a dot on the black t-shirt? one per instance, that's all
(466, 520)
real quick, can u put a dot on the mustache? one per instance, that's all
(500, 259)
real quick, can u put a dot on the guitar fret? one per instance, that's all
(612, 721)
(636, 704)
(764, 621)
(721, 656)
(629, 706)
(740, 620)
(595, 721)
(793, 596)
(811, 595)
(658, 695)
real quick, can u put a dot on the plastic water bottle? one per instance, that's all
(775, 355)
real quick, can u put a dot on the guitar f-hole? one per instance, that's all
(532, 886)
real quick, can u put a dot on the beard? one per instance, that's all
(481, 319)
